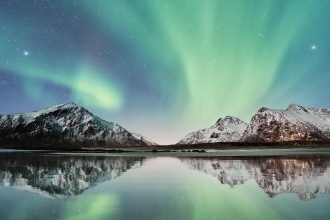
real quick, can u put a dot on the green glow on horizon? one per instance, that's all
(92, 207)
(178, 65)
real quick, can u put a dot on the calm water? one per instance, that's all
(164, 186)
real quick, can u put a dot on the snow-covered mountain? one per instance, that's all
(146, 140)
(305, 177)
(62, 126)
(294, 123)
(228, 129)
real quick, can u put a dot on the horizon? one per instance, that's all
(150, 138)
(164, 69)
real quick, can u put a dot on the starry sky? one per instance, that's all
(164, 68)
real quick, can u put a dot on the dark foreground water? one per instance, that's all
(44, 185)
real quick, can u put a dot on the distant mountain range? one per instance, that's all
(296, 123)
(70, 126)
(64, 126)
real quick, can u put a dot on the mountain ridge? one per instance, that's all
(228, 129)
(62, 126)
(69, 126)
(296, 123)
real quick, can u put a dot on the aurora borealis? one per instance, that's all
(164, 68)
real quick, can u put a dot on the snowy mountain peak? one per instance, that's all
(263, 109)
(144, 139)
(64, 125)
(228, 129)
(227, 119)
(291, 107)
(295, 107)
(219, 120)
(66, 105)
(294, 123)
(61, 109)
(268, 125)
(69, 105)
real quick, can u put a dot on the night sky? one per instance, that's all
(164, 68)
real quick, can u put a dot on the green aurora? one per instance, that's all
(165, 68)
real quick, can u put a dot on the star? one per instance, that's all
(26, 53)
(313, 47)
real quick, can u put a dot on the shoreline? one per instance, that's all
(194, 148)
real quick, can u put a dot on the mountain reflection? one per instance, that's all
(60, 176)
(68, 175)
(306, 176)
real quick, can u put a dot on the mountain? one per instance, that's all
(146, 140)
(62, 126)
(228, 129)
(294, 123)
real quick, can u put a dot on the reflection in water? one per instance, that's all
(163, 187)
(306, 176)
(61, 175)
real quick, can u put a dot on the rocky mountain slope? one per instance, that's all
(228, 129)
(296, 123)
(62, 126)
(146, 140)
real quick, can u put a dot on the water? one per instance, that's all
(48, 185)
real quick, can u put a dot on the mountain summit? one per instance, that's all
(296, 123)
(228, 129)
(62, 126)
